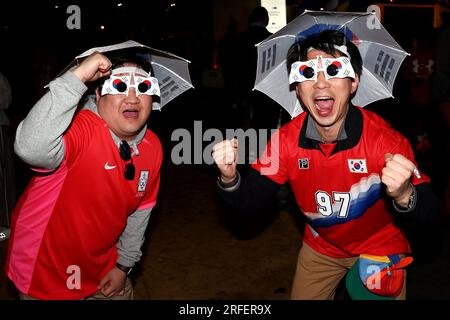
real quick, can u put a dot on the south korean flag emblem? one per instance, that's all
(143, 179)
(357, 165)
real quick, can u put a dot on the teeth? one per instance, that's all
(324, 98)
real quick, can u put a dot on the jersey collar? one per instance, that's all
(313, 133)
(348, 136)
(132, 143)
(137, 140)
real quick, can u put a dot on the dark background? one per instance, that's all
(36, 45)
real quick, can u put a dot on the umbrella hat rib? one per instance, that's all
(386, 46)
(275, 38)
(346, 23)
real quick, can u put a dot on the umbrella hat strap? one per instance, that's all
(130, 70)
(343, 49)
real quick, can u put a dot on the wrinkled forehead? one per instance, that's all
(128, 71)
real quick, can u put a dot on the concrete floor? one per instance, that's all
(193, 255)
(190, 253)
(194, 250)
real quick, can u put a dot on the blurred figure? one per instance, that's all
(441, 91)
(228, 56)
(255, 33)
(264, 112)
(419, 70)
(7, 171)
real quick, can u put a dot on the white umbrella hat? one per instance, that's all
(381, 55)
(171, 70)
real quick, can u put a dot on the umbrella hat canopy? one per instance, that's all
(171, 70)
(380, 53)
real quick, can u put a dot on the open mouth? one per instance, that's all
(324, 105)
(130, 113)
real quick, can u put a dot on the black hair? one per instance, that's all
(134, 55)
(325, 41)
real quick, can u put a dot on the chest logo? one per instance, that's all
(357, 165)
(143, 179)
(108, 167)
(303, 163)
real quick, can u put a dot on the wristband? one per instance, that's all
(411, 202)
(229, 185)
(127, 270)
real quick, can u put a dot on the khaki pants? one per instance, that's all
(128, 294)
(317, 276)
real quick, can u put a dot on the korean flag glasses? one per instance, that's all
(331, 67)
(121, 84)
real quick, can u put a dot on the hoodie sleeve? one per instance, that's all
(39, 137)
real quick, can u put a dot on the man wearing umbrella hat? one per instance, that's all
(78, 228)
(351, 174)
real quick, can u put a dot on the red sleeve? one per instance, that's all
(151, 193)
(273, 162)
(398, 144)
(404, 148)
(149, 200)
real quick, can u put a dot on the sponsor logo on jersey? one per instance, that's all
(357, 165)
(108, 167)
(303, 163)
(143, 179)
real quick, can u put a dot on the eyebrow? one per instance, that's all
(129, 74)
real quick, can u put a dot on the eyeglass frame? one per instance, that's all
(140, 76)
(297, 73)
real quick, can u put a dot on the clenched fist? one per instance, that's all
(225, 156)
(396, 175)
(93, 67)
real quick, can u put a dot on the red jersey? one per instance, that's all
(72, 218)
(338, 186)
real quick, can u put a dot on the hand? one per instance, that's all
(93, 67)
(225, 156)
(113, 283)
(396, 175)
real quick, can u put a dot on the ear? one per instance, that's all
(297, 89)
(97, 95)
(355, 84)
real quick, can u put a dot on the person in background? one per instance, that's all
(441, 90)
(7, 168)
(264, 113)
